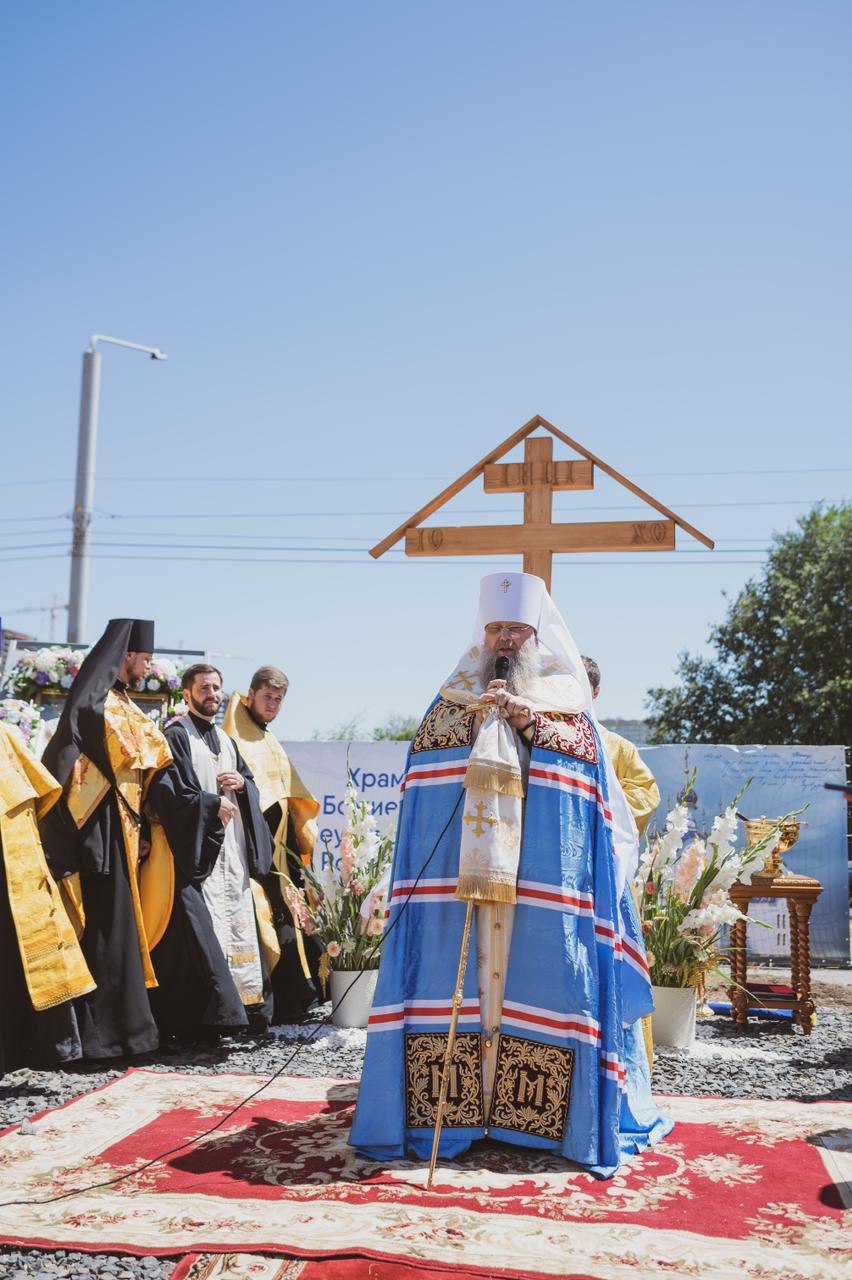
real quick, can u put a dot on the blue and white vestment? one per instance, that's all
(571, 1070)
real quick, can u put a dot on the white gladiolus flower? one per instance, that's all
(728, 873)
(713, 916)
(723, 836)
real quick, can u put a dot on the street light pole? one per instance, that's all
(84, 486)
(84, 492)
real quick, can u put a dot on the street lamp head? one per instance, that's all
(157, 354)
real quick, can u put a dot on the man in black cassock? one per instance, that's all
(104, 754)
(211, 964)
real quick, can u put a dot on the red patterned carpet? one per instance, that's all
(742, 1188)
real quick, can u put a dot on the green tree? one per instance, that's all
(397, 728)
(782, 669)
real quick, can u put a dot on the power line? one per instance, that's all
(456, 511)
(574, 560)
(459, 511)
(382, 479)
(274, 546)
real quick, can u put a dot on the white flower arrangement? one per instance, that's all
(54, 668)
(343, 902)
(48, 670)
(682, 887)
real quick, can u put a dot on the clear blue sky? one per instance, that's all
(374, 238)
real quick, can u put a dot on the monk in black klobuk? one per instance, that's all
(213, 935)
(104, 754)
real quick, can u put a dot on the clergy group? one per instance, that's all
(142, 871)
(141, 895)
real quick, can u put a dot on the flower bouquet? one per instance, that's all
(48, 670)
(53, 669)
(23, 717)
(682, 888)
(162, 676)
(343, 900)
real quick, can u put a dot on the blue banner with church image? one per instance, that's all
(783, 779)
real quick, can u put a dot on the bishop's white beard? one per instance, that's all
(524, 667)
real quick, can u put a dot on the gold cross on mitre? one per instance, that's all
(505, 584)
(538, 538)
(479, 818)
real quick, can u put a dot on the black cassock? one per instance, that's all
(115, 1019)
(196, 989)
(294, 993)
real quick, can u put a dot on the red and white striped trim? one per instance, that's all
(613, 1069)
(534, 893)
(606, 932)
(434, 774)
(434, 890)
(430, 1013)
(635, 958)
(574, 1026)
(565, 780)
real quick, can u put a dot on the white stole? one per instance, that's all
(227, 890)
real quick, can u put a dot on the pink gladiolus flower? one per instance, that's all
(651, 958)
(689, 868)
(347, 857)
(333, 950)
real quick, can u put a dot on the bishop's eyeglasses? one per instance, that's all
(514, 629)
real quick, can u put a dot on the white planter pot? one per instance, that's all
(351, 1004)
(673, 1019)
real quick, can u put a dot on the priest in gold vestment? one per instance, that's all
(104, 754)
(41, 963)
(637, 781)
(290, 811)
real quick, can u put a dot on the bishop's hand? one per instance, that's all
(517, 712)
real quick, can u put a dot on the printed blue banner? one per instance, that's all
(783, 778)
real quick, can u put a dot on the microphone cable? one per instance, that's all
(191, 1142)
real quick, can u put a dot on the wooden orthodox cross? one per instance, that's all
(538, 537)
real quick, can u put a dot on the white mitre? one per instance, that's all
(562, 684)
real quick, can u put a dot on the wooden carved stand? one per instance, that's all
(801, 893)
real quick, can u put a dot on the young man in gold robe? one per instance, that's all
(41, 962)
(637, 780)
(290, 811)
(104, 754)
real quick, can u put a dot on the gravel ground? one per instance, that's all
(771, 1061)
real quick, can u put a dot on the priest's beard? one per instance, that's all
(206, 709)
(524, 667)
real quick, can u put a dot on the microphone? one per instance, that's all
(501, 667)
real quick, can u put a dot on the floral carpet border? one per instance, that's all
(743, 1188)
